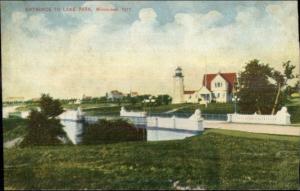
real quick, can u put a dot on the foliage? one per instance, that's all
(261, 87)
(111, 131)
(43, 128)
(290, 90)
(50, 107)
(13, 128)
(163, 99)
(294, 111)
(256, 92)
(281, 82)
(217, 159)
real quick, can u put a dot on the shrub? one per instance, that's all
(43, 128)
(111, 131)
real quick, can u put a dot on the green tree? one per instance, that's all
(256, 92)
(43, 126)
(281, 81)
(262, 87)
(163, 99)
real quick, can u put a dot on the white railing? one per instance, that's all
(282, 117)
(72, 115)
(195, 122)
(124, 113)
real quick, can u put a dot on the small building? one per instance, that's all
(133, 94)
(114, 95)
(14, 99)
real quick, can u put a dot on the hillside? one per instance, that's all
(217, 159)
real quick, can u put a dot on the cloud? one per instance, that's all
(92, 59)
(18, 17)
(147, 15)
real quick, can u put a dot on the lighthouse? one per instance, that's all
(178, 87)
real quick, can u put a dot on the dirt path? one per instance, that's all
(254, 128)
(12, 143)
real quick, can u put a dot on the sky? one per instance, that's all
(138, 46)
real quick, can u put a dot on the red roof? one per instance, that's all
(189, 92)
(229, 77)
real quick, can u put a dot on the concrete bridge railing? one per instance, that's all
(194, 122)
(282, 117)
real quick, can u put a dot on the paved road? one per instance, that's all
(254, 128)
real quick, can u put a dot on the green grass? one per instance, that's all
(13, 128)
(115, 110)
(88, 105)
(218, 159)
(212, 108)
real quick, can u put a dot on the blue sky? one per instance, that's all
(164, 9)
(139, 49)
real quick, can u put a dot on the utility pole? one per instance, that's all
(235, 98)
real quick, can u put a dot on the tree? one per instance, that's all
(289, 90)
(163, 99)
(256, 92)
(281, 81)
(43, 126)
(262, 87)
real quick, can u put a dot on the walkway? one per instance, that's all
(254, 128)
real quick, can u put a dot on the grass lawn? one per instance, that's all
(115, 110)
(13, 128)
(88, 105)
(217, 159)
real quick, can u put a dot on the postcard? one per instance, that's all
(147, 95)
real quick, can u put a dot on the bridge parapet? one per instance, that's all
(72, 115)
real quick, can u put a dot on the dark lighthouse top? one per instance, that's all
(178, 72)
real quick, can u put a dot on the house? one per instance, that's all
(114, 94)
(85, 97)
(216, 87)
(133, 94)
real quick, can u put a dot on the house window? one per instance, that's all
(218, 84)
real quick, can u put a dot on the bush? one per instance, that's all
(111, 131)
(294, 111)
(43, 127)
(42, 131)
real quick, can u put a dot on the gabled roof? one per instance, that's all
(204, 90)
(189, 92)
(116, 92)
(229, 77)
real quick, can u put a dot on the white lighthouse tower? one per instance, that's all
(178, 87)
